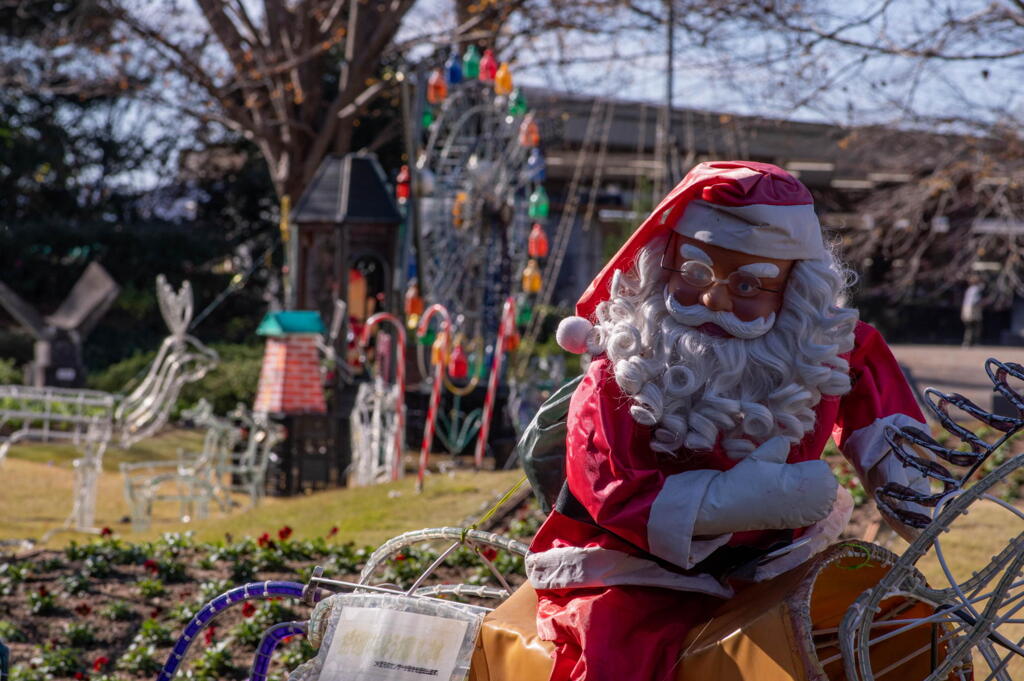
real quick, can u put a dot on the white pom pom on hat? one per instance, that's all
(572, 334)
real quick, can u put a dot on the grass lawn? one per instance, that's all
(162, 447)
(36, 482)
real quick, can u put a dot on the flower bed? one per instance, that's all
(112, 610)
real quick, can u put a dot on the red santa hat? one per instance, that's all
(754, 208)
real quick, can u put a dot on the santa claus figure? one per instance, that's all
(722, 363)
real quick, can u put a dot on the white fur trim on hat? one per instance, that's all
(782, 232)
(572, 334)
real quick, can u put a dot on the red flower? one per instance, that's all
(100, 662)
(79, 675)
(155, 613)
(151, 565)
(286, 639)
(333, 532)
(399, 557)
(106, 532)
(248, 609)
(264, 541)
(489, 553)
(284, 533)
(209, 634)
(43, 591)
(83, 609)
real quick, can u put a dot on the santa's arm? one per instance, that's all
(880, 397)
(685, 516)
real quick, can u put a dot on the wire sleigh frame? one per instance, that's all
(971, 618)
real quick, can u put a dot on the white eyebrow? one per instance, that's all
(691, 252)
(761, 269)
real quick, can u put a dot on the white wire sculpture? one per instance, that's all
(192, 480)
(90, 419)
(374, 420)
(973, 630)
(378, 417)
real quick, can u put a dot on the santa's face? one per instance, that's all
(723, 292)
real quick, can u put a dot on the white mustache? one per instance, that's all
(695, 315)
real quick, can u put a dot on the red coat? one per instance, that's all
(643, 510)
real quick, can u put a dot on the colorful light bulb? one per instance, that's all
(428, 116)
(503, 79)
(458, 364)
(523, 315)
(537, 244)
(488, 67)
(529, 133)
(536, 166)
(531, 277)
(539, 204)
(471, 63)
(457, 208)
(512, 341)
(402, 184)
(453, 68)
(437, 351)
(413, 300)
(517, 103)
(437, 89)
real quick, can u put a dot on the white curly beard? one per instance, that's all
(697, 390)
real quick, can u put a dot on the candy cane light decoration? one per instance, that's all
(506, 328)
(371, 323)
(435, 391)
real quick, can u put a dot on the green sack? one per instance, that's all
(541, 448)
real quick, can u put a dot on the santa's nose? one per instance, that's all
(716, 298)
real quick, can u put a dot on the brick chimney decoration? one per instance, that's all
(290, 376)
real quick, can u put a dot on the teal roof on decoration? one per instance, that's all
(291, 322)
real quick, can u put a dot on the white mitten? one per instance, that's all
(891, 469)
(763, 492)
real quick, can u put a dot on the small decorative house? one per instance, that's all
(290, 381)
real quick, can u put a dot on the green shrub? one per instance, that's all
(74, 584)
(11, 575)
(23, 673)
(156, 634)
(42, 602)
(181, 613)
(80, 634)
(248, 633)
(10, 373)
(140, 658)
(11, 633)
(53, 661)
(151, 588)
(234, 380)
(118, 611)
(214, 665)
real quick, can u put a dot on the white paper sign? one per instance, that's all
(376, 644)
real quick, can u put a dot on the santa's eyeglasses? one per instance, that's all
(700, 276)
